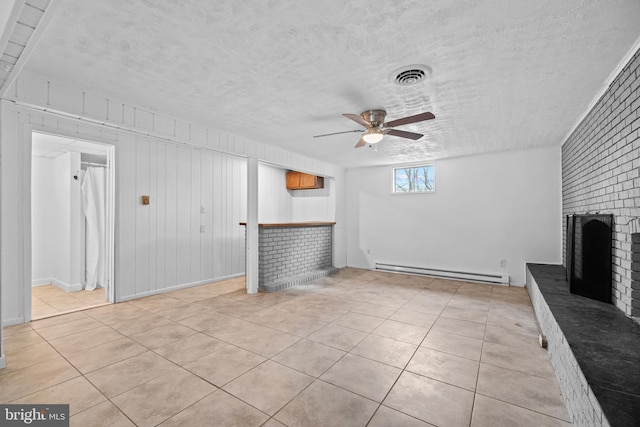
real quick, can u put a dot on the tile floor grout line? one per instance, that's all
(475, 389)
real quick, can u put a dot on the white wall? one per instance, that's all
(56, 218)
(43, 219)
(277, 204)
(485, 208)
(274, 200)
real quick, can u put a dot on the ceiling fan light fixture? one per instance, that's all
(372, 136)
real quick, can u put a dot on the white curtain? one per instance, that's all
(93, 201)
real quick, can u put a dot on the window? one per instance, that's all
(414, 179)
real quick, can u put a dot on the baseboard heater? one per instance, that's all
(448, 274)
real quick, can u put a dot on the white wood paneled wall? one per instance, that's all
(181, 165)
(162, 245)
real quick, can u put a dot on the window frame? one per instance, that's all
(412, 166)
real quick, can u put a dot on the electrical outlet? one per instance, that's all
(503, 263)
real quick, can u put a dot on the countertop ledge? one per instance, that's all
(294, 224)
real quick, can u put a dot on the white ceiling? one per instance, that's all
(507, 74)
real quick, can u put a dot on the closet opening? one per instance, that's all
(72, 225)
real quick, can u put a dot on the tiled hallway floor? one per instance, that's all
(354, 349)
(47, 300)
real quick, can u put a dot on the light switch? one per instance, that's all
(145, 200)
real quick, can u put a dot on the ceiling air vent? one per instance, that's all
(410, 75)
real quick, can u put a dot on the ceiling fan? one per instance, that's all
(376, 128)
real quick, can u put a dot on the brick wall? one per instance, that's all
(601, 173)
(290, 256)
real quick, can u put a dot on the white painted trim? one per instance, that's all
(64, 286)
(177, 287)
(251, 229)
(607, 83)
(119, 128)
(14, 321)
(67, 287)
(110, 220)
(3, 361)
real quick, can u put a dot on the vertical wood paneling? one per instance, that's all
(184, 217)
(243, 212)
(59, 95)
(161, 215)
(11, 272)
(224, 236)
(206, 218)
(142, 215)
(95, 106)
(171, 216)
(235, 226)
(195, 234)
(154, 159)
(125, 218)
(216, 211)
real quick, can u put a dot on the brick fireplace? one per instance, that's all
(601, 173)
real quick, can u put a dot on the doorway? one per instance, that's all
(72, 225)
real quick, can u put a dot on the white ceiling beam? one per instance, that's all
(31, 43)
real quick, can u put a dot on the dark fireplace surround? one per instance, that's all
(589, 260)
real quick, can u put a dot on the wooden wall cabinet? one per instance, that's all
(303, 181)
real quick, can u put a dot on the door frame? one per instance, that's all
(110, 203)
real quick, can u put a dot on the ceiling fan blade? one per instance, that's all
(403, 134)
(337, 133)
(356, 118)
(411, 119)
(361, 143)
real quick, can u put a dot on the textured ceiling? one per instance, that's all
(506, 75)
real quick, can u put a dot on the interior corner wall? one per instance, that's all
(601, 173)
(485, 208)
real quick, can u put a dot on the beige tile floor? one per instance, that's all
(354, 349)
(48, 300)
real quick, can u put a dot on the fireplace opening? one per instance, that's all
(589, 255)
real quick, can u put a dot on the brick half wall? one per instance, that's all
(289, 256)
